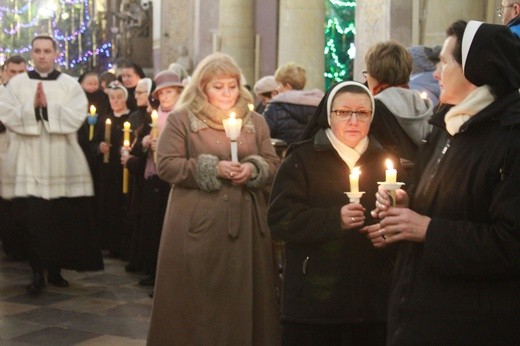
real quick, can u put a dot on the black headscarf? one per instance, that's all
(491, 56)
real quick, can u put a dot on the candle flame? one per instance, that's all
(232, 115)
(389, 164)
(108, 122)
(126, 143)
(424, 95)
(251, 107)
(154, 115)
(92, 110)
(126, 125)
(356, 171)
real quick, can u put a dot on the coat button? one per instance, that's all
(225, 198)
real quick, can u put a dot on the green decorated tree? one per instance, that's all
(339, 41)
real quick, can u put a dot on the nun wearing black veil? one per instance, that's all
(336, 284)
(458, 269)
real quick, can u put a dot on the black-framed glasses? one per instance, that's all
(500, 10)
(346, 114)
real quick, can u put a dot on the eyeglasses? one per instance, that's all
(500, 10)
(346, 114)
(365, 73)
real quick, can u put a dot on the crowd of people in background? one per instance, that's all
(142, 168)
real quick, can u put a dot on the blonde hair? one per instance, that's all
(193, 98)
(292, 74)
(389, 63)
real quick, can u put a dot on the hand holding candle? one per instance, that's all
(232, 126)
(108, 129)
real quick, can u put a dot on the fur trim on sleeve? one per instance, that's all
(207, 173)
(262, 170)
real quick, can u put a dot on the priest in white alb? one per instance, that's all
(45, 172)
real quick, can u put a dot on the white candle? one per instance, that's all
(391, 173)
(354, 179)
(232, 126)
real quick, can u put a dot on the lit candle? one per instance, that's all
(126, 132)
(424, 95)
(391, 173)
(92, 122)
(108, 127)
(126, 150)
(251, 107)
(354, 179)
(232, 126)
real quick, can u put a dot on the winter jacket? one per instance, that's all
(288, 113)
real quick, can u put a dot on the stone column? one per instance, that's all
(372, 25)
(176, 29)
(236, 34)
(301, 38)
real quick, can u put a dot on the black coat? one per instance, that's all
(461, 286)
(331, 275)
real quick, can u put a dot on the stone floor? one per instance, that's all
(99, 308)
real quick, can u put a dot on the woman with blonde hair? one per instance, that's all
(215, 281)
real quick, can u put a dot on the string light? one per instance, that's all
(339, 34)
(68, 21)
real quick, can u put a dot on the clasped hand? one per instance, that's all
(238, 173)
(40, 99)
(397, 223)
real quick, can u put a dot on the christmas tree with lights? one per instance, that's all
(339, 41)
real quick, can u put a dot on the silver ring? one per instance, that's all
(382, 234)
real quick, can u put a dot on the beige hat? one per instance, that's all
(265, 84)
(166, 79)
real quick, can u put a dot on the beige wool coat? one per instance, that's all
(215, 282)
